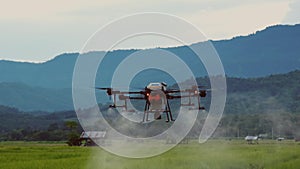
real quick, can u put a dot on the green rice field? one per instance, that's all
(214, 154)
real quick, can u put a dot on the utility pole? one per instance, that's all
(272, 134)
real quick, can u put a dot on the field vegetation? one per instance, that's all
(214, 154)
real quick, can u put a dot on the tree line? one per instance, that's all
(268, 105)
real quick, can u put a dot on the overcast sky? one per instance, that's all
(35, 30)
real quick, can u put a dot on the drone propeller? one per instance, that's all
(103, 88)
(201, 86)
(108, 90)
(130, 88)
(172, 91)
(136, 88)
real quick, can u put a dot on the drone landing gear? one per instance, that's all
(167, 111)
(146, 111)
(158, 118)
(197, 108)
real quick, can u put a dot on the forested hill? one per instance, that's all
(271, 93)
(273, 50)
(18, 125)
(274, 93)
(254, 106)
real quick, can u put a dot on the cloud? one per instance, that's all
(239, 20)
(58, 26)
(293, 15)
(43, 10)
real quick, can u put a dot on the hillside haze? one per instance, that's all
(47, 86)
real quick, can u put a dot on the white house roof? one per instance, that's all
(93, 134)
(251, 137)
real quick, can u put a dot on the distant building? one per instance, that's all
(280, 139)
(251, 139)
(87, 138)
(263, 136)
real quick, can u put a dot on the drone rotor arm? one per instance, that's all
(137, 92)
(173, 91)
(137, 98)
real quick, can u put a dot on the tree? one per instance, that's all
(73, 135)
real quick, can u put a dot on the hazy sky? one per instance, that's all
(35, 30)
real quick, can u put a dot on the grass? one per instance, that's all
(41, 155)
(215, 154)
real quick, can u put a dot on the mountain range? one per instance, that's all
(254, 105)
(47, 86)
